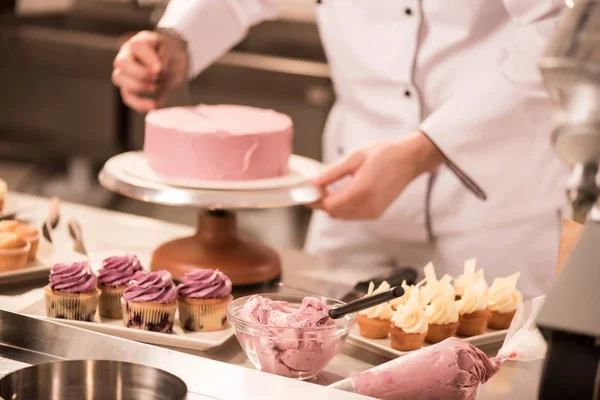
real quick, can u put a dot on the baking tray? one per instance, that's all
(383, 347)
(180, 338)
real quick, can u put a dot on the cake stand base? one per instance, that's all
(216, 245)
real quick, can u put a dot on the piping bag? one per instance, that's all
(452, 369)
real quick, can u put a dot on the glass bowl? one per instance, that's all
(300, 353)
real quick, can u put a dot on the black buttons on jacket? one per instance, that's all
(407, 93)
(340, 151)
(407, 10)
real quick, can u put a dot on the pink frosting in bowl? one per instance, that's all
(154, 287)
(73, 278)
(288, 335)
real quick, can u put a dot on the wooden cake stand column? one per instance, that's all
(217, 245)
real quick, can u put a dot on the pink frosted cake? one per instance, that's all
(221, 142)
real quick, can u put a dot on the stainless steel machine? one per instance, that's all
(570, 317)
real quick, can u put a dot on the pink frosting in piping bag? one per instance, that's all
(449, 370)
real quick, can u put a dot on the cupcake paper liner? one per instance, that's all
(373, 328)
(73, 306)
(438, 333)
(403, 341)
(473, 324)
(203, 315)
(110, 302)
(34, 241)
(501, 320)
(151, 317)
(13, 259)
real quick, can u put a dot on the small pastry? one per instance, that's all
(374, 322)
(149, 302)
(472, 309)
(469, 275)
(434, 287)
(8, 225)
(442, 317)
(14, 252)
(203, 296)
(409, 325)
(504, 299)
(3, 190)
(113, 277)
(30, 234)
(72, 292)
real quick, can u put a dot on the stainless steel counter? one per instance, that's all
(110, 232)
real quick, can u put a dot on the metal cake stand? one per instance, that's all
(216, 243)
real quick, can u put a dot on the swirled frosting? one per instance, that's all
(407, 291)
(504, 296)
(74, 278)
(469, 275)
(475, 297)
(205, 284)
(442, 311)
(410, 317)
(434, 287)
(382, 311)
(117, 271)
(155, 287)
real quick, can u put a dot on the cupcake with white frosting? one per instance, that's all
(469, 275)
(374, 322)
(400, 301)
(442, 319)
(504, 298)
(409, 325)
(473, 309)
(436, 288)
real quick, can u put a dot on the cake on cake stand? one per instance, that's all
(216, 243)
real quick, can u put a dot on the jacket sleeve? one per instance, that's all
(486, 126)
(212, 27)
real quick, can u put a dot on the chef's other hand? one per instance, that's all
(379, 173)
(150, 64)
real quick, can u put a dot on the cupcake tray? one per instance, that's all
(179, 338)
(384, 348)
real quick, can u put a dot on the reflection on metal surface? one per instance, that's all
(282, 65)
(92, 379)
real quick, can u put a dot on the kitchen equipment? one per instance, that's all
(366, 302)
(76, 234)
(300, 353)
(86, 379)
(216, 243)
(52, 220)
(401, 274)
(569, 318)
(32, 341)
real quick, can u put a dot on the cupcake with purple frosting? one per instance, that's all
(113, 277)
(203, 296)
(150, 301)
(72, 292)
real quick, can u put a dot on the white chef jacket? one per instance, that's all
(465, 73)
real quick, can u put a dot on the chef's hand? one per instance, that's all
(150, 63)
(379, 173)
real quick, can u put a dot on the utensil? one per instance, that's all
(52, 220)
(406, 273)
(92, 379)
(77, 235)
(365, 302)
